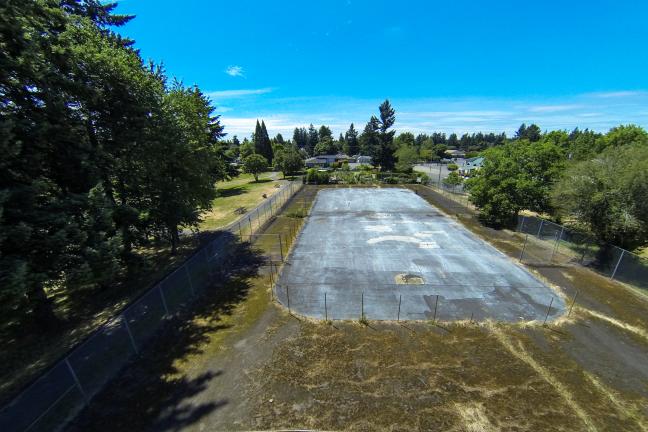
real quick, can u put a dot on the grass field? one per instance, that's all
(239, 361)
(241, 191)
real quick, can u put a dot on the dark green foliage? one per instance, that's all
(608, 193)
(453, 179)
(289, 161)
(377, 140)
(369, 140)
(313, 176)
(453, 167)
(351, 146)
(312, 138)
(255, 164)
(262, 144)
(531, 133)
(97, 153)
(515, 176)
(300, 138)
(407, 156)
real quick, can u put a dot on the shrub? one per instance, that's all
(453, 167)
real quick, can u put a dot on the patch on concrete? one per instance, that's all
(409, 279)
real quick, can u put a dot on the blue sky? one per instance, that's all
(452, 66)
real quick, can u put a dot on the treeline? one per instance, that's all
(376, 140)
(592, 181)
(100, 153)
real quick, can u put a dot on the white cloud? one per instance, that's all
(459, 115)
(554, 108)
(617, 94)
(244, 126)
(232, 94)
(235, 71)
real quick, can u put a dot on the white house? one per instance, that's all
(471, 165)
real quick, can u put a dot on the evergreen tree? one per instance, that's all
(351, 141)
(386, 136)
(312, 139)
(262, 144)
(300, 138)
(369, 141)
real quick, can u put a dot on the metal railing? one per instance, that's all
(56, 396)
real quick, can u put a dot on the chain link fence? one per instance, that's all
(62, 391)
(410, 302)
(549, 243)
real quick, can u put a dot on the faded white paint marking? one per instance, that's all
(405, 239)
(379, 228)
(423, 234)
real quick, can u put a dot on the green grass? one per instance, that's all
(243, 192)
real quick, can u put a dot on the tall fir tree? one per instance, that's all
(351, 141)
(262, 144)
(312, 139)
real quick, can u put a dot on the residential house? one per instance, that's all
(471, 165)
(325, 161)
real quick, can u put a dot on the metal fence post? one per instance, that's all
(325, 307)
(436, 304)
(540, 228)
(250, 222)
(616, 267)
(191, 287)
(400, 298)
(130, 334)
(548, 310)
(281, 247)
(555, 249)
(526, 239)
(166, 309)
(77, 382)
(288, 298)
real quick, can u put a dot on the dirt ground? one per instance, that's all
(238, 361)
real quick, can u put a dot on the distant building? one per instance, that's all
(471, 165)
(455, 154)
(325, 161)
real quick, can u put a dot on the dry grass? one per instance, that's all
(585, 373)
(241, 192)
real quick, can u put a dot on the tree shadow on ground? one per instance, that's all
(151, 393)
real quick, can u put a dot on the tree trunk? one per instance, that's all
(175, 239)
(42, 315)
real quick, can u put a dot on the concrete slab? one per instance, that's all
(359, 244)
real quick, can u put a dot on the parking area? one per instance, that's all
(386, 254)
